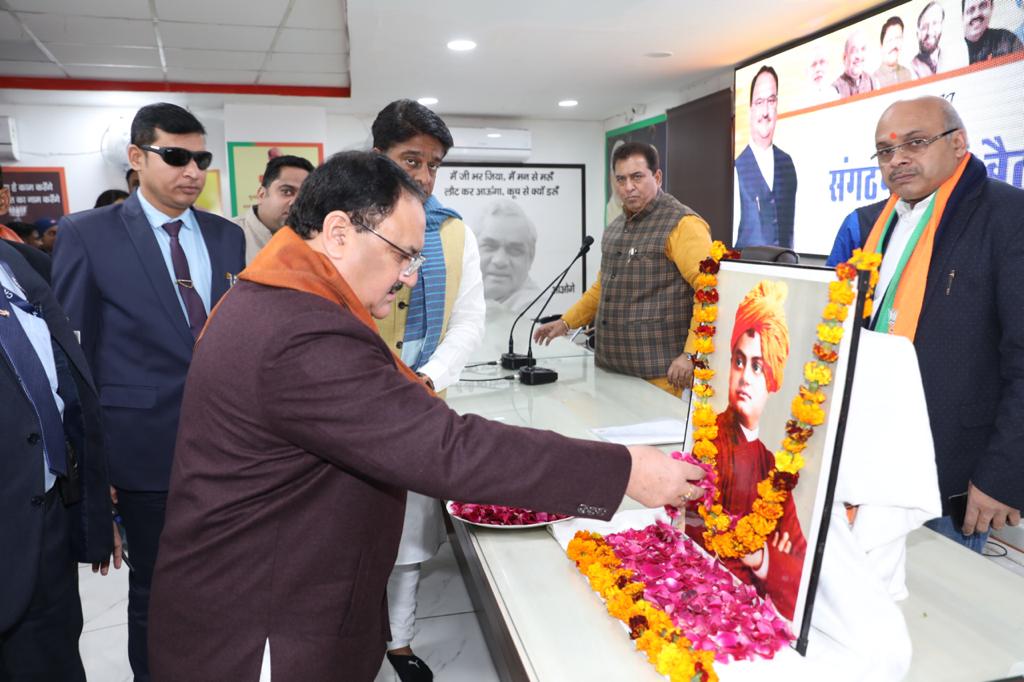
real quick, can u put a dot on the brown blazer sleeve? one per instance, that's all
(331, 387)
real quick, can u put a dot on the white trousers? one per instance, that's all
(402, 587)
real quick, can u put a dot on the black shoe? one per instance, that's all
(410, 668)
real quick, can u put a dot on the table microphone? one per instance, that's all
(513, 360)
(530, 374)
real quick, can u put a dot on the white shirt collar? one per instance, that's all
(750, 434)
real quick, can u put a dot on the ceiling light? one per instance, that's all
(494, 135)
(568, 103)
(461, 45)
(427, 101)
(658, 55)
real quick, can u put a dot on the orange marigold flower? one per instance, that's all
(706, 433)
(704, 449)
(835, 311)
(704, 280)
(825, 353)
(703, 415)
(768, 510)
(845, 271)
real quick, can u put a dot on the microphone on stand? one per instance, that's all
(513, 360)
(530, 374)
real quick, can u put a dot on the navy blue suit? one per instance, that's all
(111, 277)
(970, 339)
(766, 215)
(40, 612)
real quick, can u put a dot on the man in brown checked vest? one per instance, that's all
(642, 301)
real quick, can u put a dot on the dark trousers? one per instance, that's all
(43, 645)
(143, 516)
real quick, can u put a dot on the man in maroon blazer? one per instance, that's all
(301, 433)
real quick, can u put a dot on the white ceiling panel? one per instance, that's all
(212, 76)
(116, 73)
(213, 59)
(62, 28)
(328, 80)
(110, 55)
(216, 36)
(10, 29)
(42, 69)
(240, 12)
(293, 61)
(124, 9)
(309, 40)
(317, 14)
(21, 51)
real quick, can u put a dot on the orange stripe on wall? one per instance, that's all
(29, 83)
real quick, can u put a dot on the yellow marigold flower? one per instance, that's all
(789, 462)
(835, 311)
(718, 250)
(866, 260)
(703, 390)
(830, 333)
(818, 373)
(840, 292)
(704, 449)
(703, 415)
(703, 345)
(703, 374)
(868, 307)
(675, 662)
(793, 446)
(705, 281)
(808, 413)
(706, 313)
(706, 432)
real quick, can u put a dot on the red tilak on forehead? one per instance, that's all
(892, 136)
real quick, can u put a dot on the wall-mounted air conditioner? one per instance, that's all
(490, 144)
(8, 139)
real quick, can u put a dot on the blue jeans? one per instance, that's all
(944, 526)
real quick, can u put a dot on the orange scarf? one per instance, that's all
(910, 288)
(287, 262)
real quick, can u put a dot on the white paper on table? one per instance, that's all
(659, 432)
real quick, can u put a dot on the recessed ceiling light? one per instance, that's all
(658, 55)
(461, 45)
(568, 103)
(494, 135)
(427, 101)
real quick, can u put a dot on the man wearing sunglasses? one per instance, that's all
(138, 280)
(951, 281)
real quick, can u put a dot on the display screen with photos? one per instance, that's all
(805, 130)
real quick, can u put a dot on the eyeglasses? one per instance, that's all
(917, 146)
(416, 260)
(178, 156)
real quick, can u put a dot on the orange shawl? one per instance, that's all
(910, 287)
(287, 262)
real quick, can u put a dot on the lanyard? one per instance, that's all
(20, 302)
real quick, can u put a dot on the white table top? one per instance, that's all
(965, 614)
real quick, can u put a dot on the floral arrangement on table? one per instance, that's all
(497, 515)
(683, 608)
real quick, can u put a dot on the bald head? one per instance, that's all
(914, 172)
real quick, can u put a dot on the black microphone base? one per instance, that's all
(535, 376)
(516, 360)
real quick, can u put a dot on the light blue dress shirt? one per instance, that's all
(191, 240)
(39, 335)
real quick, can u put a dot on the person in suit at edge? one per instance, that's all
(296, 450)
(53, 477)
(950, 281)
(138, 280)
(764, 191)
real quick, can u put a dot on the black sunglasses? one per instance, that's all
(177, 156)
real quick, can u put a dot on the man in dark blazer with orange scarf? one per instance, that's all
(297, 448)
(137, 280)
(952, 281)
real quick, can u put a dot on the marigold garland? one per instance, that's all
(650, 628)
(736, 536)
